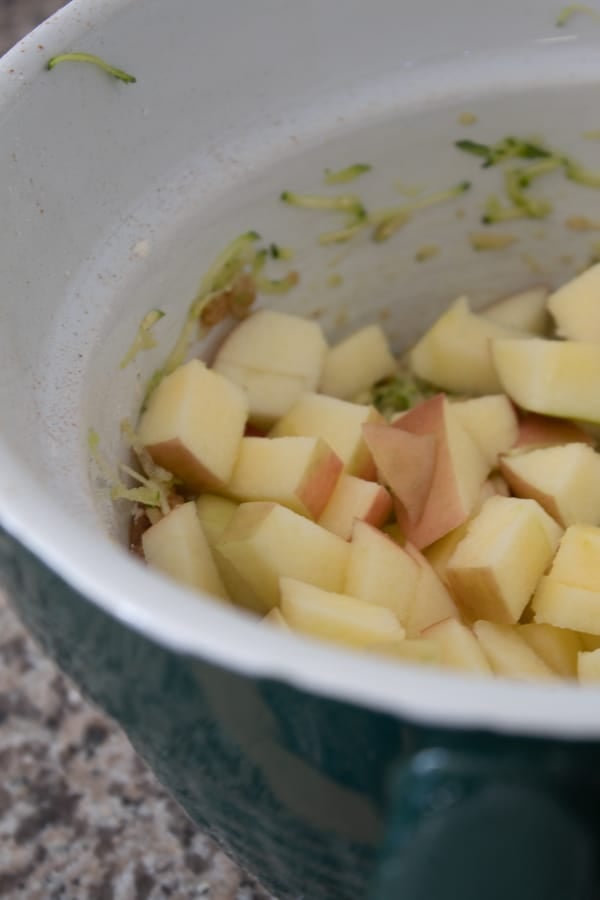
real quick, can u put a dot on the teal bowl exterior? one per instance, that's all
(302, 791)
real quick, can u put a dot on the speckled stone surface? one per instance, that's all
(80, 814)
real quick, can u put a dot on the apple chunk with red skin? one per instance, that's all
(264, 541)
(194, 424)
(459, 472)
(298, 472)
(405, 462)
(543, 431)
(337, 422)
(565, 480)
(177, 546)
(495, 569)
(275, 357)
(354, 498)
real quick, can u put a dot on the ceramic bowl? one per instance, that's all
(328, 774)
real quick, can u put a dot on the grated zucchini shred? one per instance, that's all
(94, 60)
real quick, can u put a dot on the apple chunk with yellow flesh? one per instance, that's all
(357, 363)
(193, 425)
(297, 472)
(495, 569)
(564, 480)
(405, 462)
(275, 619)
(455, 353)
(460, 470)
(264, 541)
(354, 498)
(558, 647)
(457, 646)
(525, 311)
(557, 378)
(177, 546)
(274, 357)
(337, 422)
(380, 571)
(575, 309)
(431, 601)
(215, 513)
(509, 654)
(569, 596)
(492, 423)
(588, 667)
(337, 617)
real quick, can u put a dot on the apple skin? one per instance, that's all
(405, 462)
(536, 430)
(460, 470)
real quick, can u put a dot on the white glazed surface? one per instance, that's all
(119, 196)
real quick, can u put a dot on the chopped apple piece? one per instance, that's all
(578, 559)
(457, 646)
(537, 431)
(575, 309)
(440, 552)
(496, 567)
(380, 571)
(492, 423)
(431, 602)
(557, 378)
(337, 422)
(354, 498)
(558, 647)
(275, 357)
(297, 472)
(177, 546)
(179, 427)
(337, 617)
(525, 311)
(276, 619)
(459, 472)
(588, 667)
(509, 654)
(589, 641)
(214, 513)
(417, 650)
(567, 606)
(265, 540)
(564, 480)
(357, 363)
(455, 353)
(405, 462)
(270, 394)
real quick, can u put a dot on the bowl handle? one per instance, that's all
(468, 826)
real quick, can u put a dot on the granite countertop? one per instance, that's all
(81, 816)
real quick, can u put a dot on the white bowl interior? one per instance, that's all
(120, 195)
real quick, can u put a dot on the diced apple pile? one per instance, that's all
(465, 531)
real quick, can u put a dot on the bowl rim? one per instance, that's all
(195, 625)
